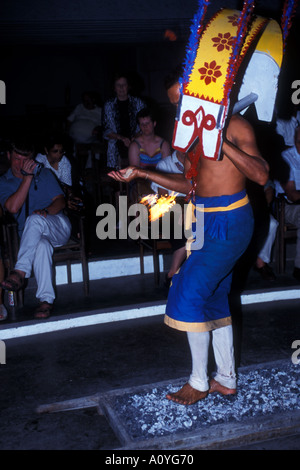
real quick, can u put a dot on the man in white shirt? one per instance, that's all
(172, 164)
(286, 128)
(85, 121)
(291, 189)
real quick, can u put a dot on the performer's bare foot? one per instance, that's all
(215, 386)
(187, 395)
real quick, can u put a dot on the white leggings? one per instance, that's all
(222, 341)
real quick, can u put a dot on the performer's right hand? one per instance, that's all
(126, 174)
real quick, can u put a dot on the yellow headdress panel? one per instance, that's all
(214, 57)
(208, 78)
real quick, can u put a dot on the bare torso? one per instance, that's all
(216, 178)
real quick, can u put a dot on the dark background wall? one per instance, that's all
(51, 51)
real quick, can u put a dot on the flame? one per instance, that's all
(158, 205)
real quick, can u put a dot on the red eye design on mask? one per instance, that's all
(200, 121)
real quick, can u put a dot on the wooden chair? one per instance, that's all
(72, 251)
(82, 152)
(103, 188)
(10, 246)
(156, 246)
(285, 232)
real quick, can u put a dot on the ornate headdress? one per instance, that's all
(214, 58)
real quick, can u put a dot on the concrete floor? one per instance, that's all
(80, 362)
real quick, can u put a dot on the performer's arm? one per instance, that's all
(240, 147)
(172, 181)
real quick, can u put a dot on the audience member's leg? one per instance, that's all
(265, 253)
(55, 229)
(177, 260)
(264, 257)
(42, 267)
(292, 216)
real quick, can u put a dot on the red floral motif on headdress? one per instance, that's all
(223, 41)
(210, 72)
(233, 19)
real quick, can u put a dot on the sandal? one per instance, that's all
(3, 313)
(13, 282)
(43, 311)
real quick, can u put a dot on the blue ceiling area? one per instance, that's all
(112, 21)
(52, 50)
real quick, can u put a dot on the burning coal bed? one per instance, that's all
(260, 392)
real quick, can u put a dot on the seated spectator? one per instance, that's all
(291, 190)
(286, 127)
(173, 164)
(119, 122)
(147, 149)
(36, 200)
(84, 122)
(55, 159)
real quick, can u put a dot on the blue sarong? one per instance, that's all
(198, 296)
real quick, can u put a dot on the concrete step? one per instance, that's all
(73, 311)
(119, 292)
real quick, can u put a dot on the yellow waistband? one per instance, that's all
(234, 205)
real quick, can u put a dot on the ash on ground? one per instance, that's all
(260, 392)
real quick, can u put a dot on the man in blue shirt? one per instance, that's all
(36, 200)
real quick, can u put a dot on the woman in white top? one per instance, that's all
(54, 158)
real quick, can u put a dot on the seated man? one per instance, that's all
(291, 189)
(36, 200)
